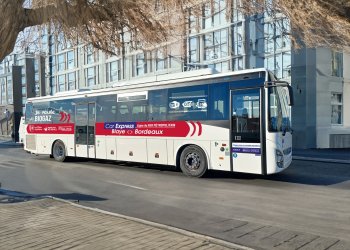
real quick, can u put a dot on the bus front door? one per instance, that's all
(246, 130)
(85, 130)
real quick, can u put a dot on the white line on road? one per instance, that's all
(7, 167)
(126, 185)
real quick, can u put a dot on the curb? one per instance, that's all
(158, 225)
(303, 158)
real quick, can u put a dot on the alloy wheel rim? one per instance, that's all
(193, 161)
(59, 151)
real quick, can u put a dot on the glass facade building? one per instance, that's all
(214, 39)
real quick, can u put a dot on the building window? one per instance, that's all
(337, 108)
(3, 92)
(36, 65)
(161, 59)
(53, 85)
(337, 64)
(140, 64)
(61, 83)
(61, 62)
(9, 90)
(221, 67)
(52, 64)
(71, 59)
(236, 13)
(192, 23)
(90, 74)
(237, 63)
(90, 55)
(215, 45)
(215, 17)
(24, 90)
(238, 39)
(207, 18)
(113, 71)
(193, 50)
(71, 81)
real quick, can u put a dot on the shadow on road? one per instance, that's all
(301, 172)
(9, 144)
(9, 196)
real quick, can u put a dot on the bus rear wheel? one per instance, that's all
(193, 161)
(59, 151)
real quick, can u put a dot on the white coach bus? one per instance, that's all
(198, 121)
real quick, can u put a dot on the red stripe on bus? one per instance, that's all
(199, 128)
(157, 129)
(194, 128)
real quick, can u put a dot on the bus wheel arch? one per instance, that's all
(59, 150)
(192, 160)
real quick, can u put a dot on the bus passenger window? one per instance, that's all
(218, 101)
(157, 107)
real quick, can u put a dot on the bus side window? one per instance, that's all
(106, 108)
(218, 101)
(157, 105)
(123, 114)
(139, 110)
(29, 113)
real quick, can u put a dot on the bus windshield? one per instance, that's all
(279, 110)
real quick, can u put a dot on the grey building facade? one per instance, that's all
(21, 76)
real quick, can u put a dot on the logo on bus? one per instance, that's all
(120, 125)
(65, 117)
(174, 105)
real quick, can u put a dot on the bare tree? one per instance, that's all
(313, 22)
(99, 22)
(103, 22)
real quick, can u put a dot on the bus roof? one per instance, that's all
(150, 81)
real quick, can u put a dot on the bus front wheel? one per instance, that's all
(59, 151)
(193, 161)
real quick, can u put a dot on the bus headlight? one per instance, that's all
(279, 159)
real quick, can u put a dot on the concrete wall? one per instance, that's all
(346, 93)
(326, 85)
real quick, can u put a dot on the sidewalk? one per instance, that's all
(55, 224)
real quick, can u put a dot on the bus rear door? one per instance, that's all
(85, 130)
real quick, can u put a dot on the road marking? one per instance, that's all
(126, 185)
(7, 167)
(10, 165)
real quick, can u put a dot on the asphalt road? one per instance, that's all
(309, 197)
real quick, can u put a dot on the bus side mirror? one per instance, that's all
(290, 96)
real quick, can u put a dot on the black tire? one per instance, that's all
(193, 161)
(59, 151)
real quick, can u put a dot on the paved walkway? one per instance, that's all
(47, 223)
(54, 224)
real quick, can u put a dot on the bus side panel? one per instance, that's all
(157, 151)
(44, 143)
(170, 147)
(70, 145)
(101, 147)
(220, 155)
(132, 149)
(111, 148)
(205, 145)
